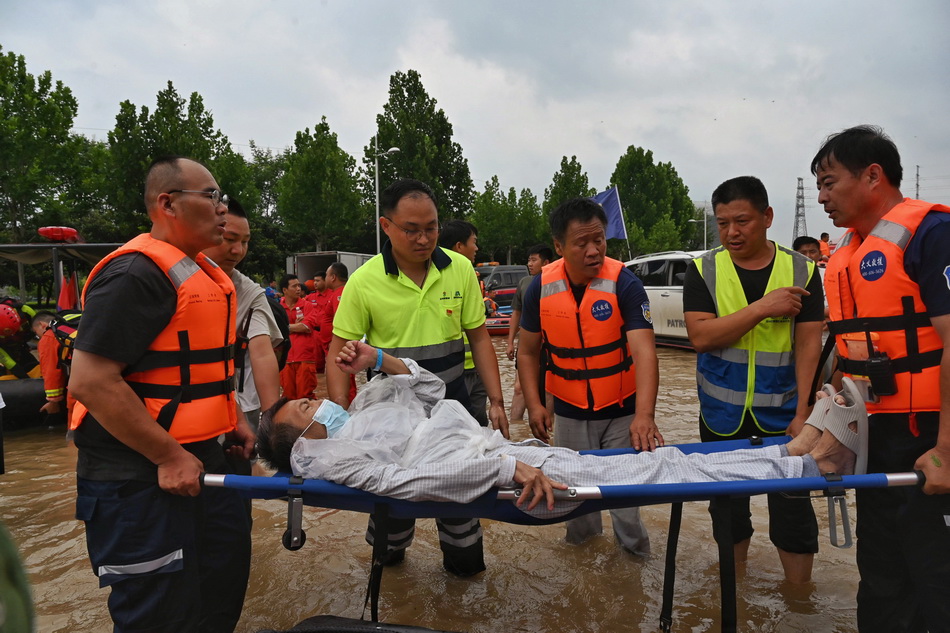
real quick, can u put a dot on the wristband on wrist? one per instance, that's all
(379, 360)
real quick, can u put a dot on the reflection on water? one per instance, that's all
(534, 582)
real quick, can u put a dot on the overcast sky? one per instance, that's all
(718, 89)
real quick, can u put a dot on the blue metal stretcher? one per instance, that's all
(498, 505)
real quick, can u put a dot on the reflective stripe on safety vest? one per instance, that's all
(588, 360)
(445, 360)
(757, 373)
(870, 296)
(186, 378)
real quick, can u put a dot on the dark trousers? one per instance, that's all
(793, 526)
(460, 541)
(174, 564)
(903, 535)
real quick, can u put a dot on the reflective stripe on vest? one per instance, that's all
(860, 274)
(445, 360)
(757, 373)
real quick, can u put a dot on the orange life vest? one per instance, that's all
(186, 378)
(870, 297)
(588, 361)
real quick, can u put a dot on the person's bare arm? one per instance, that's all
(513, 326)
(338, 382)
(356, 356)
(529, 371)
(935, 463)
(486, 364)
(266, 374)
(707, 332)
(807, 353)
(644, 434)
(97, 382)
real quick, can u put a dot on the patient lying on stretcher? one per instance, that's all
(400, 439)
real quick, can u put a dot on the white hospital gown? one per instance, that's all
(390, 447)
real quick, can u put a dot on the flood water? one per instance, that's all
(535, 582)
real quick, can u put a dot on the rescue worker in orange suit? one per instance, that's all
(888, 287)
(298, 378)
(335, 276)
(54, 375)
(154, 383)
(590, 317)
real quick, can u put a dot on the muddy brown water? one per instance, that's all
(535, 582)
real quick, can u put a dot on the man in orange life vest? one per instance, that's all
(888, 287)
(591, 318)
(153, 376)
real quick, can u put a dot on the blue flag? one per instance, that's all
(610, 201)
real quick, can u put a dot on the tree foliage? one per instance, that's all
(317, 195)
(570, 181)
(411, 121)
(507, 223)
(656, 203)
(36, 115)
(175, 127)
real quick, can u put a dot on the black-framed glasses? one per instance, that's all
(216, 196)
(415, 234)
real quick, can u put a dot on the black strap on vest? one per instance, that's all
(589, 374)
(380, 547)
(185, 392)
(669, 574)
(909, 321)
(586, 352)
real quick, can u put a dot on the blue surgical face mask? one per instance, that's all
(332, 416)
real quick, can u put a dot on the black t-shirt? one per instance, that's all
(128, 303)
(696, 296)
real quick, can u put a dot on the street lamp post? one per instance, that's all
(705, 223)
(376, 155)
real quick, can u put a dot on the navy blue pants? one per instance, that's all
(903, 535)
(173, 563)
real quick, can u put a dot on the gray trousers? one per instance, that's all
(582, 435)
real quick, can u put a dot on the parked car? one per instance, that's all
(662, 275)
(503, 280)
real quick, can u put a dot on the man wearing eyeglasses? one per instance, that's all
(154, 378)
(414, 300)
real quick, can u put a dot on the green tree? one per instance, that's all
(570, 181)
(36, 115)
(655, 201)
(317, 195)
(175, 127)
(423, 134)
(507, 222)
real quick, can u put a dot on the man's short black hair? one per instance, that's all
(802, 240)
(748, 188)
(43, 316)
(455, 231)
(285, 281)
(824, 235)
(403, 187)
(235, 208)
(579, 209)
(543, 251)
(860, 146)
(275, 441)
(321, 274)
(340, 270)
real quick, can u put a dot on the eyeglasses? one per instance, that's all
(216, 196)
(415, 234)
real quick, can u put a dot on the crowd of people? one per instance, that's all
(175, 373)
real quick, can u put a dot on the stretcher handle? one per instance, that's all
(581, 493)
